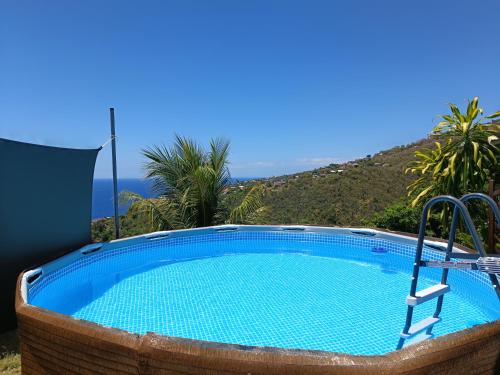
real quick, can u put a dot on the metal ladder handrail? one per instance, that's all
(449, 249)
(459, 208)
(496, 213)
(486, 198)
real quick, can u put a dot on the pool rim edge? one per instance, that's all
(140, 349)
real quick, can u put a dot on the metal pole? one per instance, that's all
(115, 177)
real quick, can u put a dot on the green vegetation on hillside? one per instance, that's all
(459, 156)
(346, 194)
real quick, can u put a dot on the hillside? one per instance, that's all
(340, 194)
(337, 194)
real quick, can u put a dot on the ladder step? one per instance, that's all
(420, 326)
(427, 294)
(448, 264)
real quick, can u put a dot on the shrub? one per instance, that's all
(398, 217)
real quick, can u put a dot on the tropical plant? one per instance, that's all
(190, 182)
(464, 157)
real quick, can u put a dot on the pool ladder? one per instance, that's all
(490, 264)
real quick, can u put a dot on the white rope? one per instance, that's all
(108, 141)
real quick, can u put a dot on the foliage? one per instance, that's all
(160, 212)
(10, 359)
(102, 230)
(250, 204)
(464, 157)
(369, 191)
(347, 199)
(398, 217)
(462, 160)
(190, 182)
(324, 197)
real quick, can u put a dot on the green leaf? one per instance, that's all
(491, 155)
(422, 194)
(452, 163)
(476, 149)
(494, 115)
(423, 155)
(456, 112)
(250, 204)
(440, 127)
(492, 138)
(438, 167)
(470, 109)
(474, 114)
(474, 102)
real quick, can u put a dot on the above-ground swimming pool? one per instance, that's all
(331, 290)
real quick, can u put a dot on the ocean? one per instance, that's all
(102, 196)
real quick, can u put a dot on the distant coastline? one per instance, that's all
(102, 193)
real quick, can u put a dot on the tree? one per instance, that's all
(190, 182)
(464, 158)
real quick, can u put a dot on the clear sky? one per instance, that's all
(292, 84)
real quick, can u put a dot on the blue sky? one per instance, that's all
(292, 84)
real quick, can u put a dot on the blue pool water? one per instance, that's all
(307, 291)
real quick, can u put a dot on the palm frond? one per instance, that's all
(191, 177)
(250, 204)
(162, 213)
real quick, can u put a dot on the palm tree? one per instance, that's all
(190, 182)
(464, 158)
